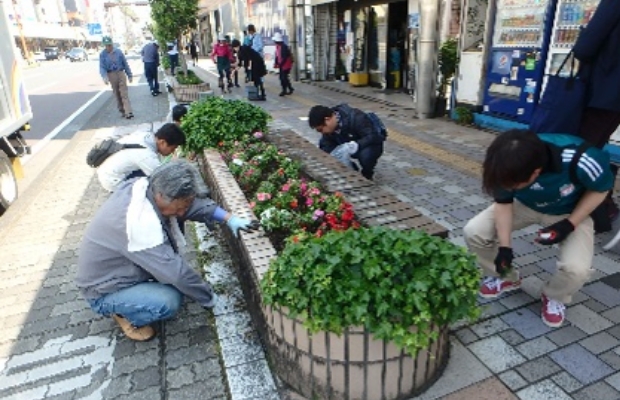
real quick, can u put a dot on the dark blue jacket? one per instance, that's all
(355, 125)
(598, 50)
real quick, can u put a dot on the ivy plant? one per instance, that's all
(216, 122)
(188, 78)
(388, 281)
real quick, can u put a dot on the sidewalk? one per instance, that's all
(53, 346)
(509, 353)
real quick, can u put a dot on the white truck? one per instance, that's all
(15, 112)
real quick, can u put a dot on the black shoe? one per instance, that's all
(291, 90)
(262, 98)
(283, 94)
(237, 85)
(129, 116)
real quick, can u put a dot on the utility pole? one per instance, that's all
(427, 73)
(291, 27)
(20, 30)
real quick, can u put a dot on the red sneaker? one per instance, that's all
(552, 312)
(493, 287)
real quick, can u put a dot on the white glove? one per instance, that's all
(352, 147)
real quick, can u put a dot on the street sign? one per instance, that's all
(94, 29)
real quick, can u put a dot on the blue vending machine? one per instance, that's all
(517, 58)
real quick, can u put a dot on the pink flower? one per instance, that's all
(303, 186)
(309, 201)
(252, 204)
(263, 196)
(286, 187)
(318, 214)
(315, 191)
(258, 135)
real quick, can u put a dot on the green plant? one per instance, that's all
(464, 115)
(388, 281)
(165, 62)
(216, 123)
(189, 79)
(448, 61)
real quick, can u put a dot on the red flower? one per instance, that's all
(294, 204)
(295, 239)
(280, 172)
(347, 216)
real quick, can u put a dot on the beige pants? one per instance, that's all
(574, 265)
(118, 81)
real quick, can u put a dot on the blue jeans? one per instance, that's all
(150, 71)
(368, 157)
(141, 304)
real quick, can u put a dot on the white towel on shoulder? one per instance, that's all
(144, 228)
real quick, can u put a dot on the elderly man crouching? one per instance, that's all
(129, 266)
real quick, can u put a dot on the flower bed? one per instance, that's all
(347, 311)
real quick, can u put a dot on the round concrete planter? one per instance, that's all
(353, 366)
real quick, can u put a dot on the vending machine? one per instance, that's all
(516, 63)
(570, 16)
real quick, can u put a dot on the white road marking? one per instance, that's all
(43, 142)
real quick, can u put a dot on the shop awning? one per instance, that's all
(37, 30)
(319, 2)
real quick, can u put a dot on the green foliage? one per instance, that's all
(189, 79)
(165, 62)
(173, 17)
(464, 115)
(216, 122)
(385, 280)
(448, 61)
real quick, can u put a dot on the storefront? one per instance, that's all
(372, 43)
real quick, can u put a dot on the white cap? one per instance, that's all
(277, 37)
(221, 36)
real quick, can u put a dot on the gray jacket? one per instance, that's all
(105, 266)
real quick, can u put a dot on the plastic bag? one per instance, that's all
(341, 153)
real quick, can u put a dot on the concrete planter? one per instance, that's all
(187, 93)
(353, 366)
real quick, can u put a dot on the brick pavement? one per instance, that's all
(509, 353)
(51, 344)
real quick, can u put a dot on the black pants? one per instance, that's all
(174, 62)
(597, 126)
(368, 157)
(150, 71)
(285, 80)
(260, 88)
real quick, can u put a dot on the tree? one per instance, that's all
(173, 18)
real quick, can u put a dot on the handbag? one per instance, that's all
(561, 107)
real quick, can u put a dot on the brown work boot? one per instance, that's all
(141, 334)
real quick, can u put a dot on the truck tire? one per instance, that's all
(8, 183)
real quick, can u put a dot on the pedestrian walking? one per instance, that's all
(255, 40)
(345, 125)
(596, 49)
(552, 180)
(150, 58)
(130, 265)
(223, 57)
(173, 56)
(193, 51)
(115, 71)
(143, 155)
(255, 63)
(283, 61)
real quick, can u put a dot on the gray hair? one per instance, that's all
(177, 179)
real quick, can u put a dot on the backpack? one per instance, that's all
(101, 151)
(378, 124)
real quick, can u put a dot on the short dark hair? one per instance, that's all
(511, 159)
(235, 43)
(251, 28)
(178, 112)
(317, 115)
(172, 134)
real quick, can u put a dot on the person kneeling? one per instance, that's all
(342, 125)
(548, 179)
(129, 263)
